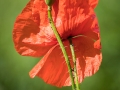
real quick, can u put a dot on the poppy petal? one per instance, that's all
(26, 34)
(78, 17)
(70, 17)
(32, 32)
(53, 70)
(93, 3)
(88, 57)
(88, 25)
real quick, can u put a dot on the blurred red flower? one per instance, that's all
(33, 36)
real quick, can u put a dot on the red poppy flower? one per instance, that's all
(33, 36)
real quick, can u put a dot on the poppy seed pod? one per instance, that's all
(49, 2)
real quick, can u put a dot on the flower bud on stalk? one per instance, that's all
(49, 2)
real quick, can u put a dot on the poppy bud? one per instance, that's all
(49, 2)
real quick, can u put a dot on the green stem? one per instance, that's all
(74, 61)
(61, 46)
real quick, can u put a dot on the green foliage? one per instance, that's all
(14, 68)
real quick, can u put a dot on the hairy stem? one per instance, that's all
(61, 46)
(74, 61)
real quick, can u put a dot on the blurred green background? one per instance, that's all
(14, 68)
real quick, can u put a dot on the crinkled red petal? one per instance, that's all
(53, 70)
(32, 32)
(97, 44)
(93, 3)
(26, 35)
(71, 17)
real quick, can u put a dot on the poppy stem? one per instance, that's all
(74, 61)
(61, 46)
